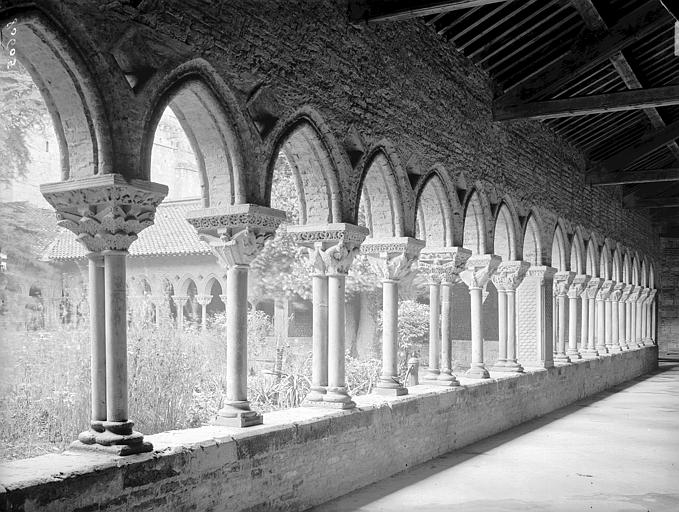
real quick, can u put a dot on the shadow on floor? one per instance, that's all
(432, 467)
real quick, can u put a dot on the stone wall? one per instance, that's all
(668, 301)
(303, 457)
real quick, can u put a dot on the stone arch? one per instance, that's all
(651, 276)
(532, 240)
(207, 112)
(605, 262)
(505, 242)
(185, 283)
(560, 248)
(385, 194)
(616, 268)
(65, 82)
(577, 256)
(312, 153)
(475, 228)
(438, 214)
(209, 282)
(636, 270)
(644, 273)
(592, 257)
(626, 268)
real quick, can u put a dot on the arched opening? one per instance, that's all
(636, 278)
(380, 204)
(616, 274)
(505, 236)
(577, 259)
(626, 269)
(192, 310)
(592, 259)
(605, 266)
(433, 221)
(216, 305)
(644, 274)
(559, 250)
(474, 225)
(651, 276)
(532, 248)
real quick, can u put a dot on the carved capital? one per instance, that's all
(652, 294)
(562, 282)
(605, 290)
(479, 269)
(333, 247)
(643, 295)
(443, 263)
(180, 300)
(543, 273)
(392, 258)
(578, 286)
(509, 275)
(105, 212)
(625, 292)
(616, 292)
(634, 293)
(593, 287)
(204, 300)
(236, 234)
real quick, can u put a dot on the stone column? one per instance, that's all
(534, 333)
(645, 308)
(562, 283)
(179, 303)
(601, 297)
(608, 319)
(651, 316)
(507, 279)
(623, 319)
(336, 245)
(584, 318)
(614, 298)
(319, 369)
(479, 269)
(203, 300)
(592, 290)
(575, 290)
(638, 324)
(442, 264)
(392, 259)
(106, 212)
(236, 234)
(632, 315)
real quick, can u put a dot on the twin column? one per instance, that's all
(106, 213)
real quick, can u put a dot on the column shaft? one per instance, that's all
(563, 312)
(203, 316)
(592, 327)
(236, 333)
(389, 382)
(98, 336)
(608, 324)
(478, 369)
(615, 325)
(502, 327)
(573, 328)
(434, 336)
(319, 372)
(116, 336)
(584, 322)
(621, 325)
(600, 324)
(638, 325)
(446, 376)
(511, 363)
(337, 391)
(628, 324)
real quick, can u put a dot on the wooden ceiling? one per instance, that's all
(601, 73)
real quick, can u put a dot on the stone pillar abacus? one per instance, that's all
(334, 248)
(443, 265)
(236, 234)
(575, 291)
(507, 279)
(592, 290)
(601, 297)
(479, 270)
(623, 317)
(392, 259)
(179, 303)
(562, 283)
(107, 212)
(614, 298)
(203, 300)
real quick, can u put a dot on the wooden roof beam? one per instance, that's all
(591, 48)
(592, 104)
(378, 11)
(631, 177)
(648, 143)
(652, 202)
(672, 7)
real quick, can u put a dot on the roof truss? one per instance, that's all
(396, 10)
(632, 177)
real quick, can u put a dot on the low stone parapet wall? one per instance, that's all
(306, 456)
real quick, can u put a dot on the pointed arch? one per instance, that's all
(504, 233)
(532, 240)
(605, 262)
(616, 268)
(636, 270)
(651, 276)
(592, 266)
(208, 113)
(438, 213)
(475, 228)
(65, 82)
(577, 255)
(644, 273)
(384, 194)
(306, 142)
(626, 268)
(210, 281)
(560, 248)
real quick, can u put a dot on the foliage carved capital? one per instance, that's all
(392, 258)
(105, 212)
(593, 287)
(578, 286)
(562, 282)
(443, 264)
(510, 274)
(605, 290)
(479, 269)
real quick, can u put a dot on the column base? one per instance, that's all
(338, 398)
(315, 395)
(561, 358)
(615, 348)
(431, 374)
(115, 437)
(237, 414)
(508, 367)
(446, 378)
(590, 353)
(602, 350)
(573, 354)
(397, 391)
(477, 371)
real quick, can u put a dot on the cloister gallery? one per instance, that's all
(516, 224)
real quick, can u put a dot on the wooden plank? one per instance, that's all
(630, 177)
(592, 104)
(652, 202)
(589, 50)
(646, 144)
(384, 11)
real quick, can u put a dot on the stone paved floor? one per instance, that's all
(616, 451)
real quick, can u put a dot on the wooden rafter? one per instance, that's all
(672, 7)
(652, 202)
(397, 10)
(631, 177)
(590, 49)
(592, 104)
